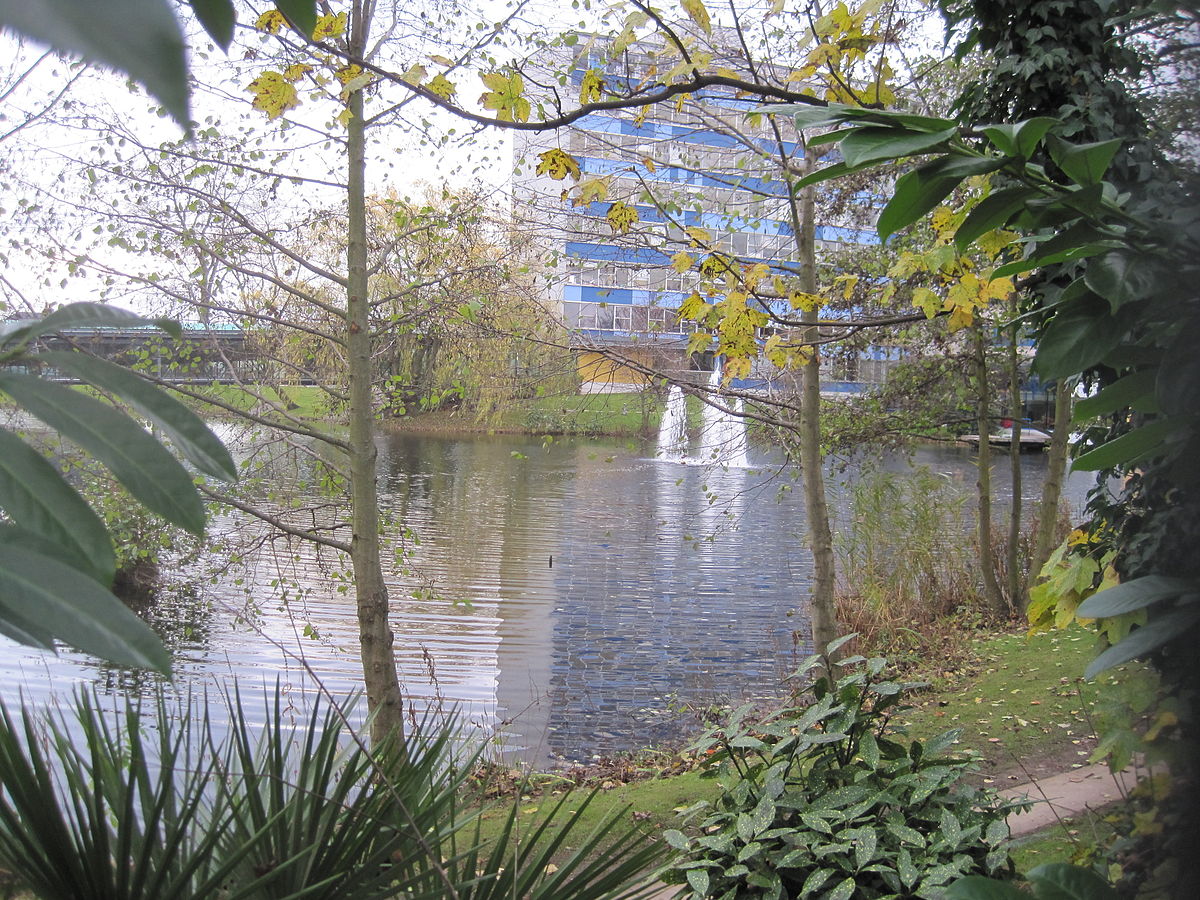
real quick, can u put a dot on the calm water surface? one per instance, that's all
(572, 598)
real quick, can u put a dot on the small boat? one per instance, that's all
(1032, 438)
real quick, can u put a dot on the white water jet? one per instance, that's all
(672, 433)
(723, 440)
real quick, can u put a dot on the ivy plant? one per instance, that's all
(825, 799)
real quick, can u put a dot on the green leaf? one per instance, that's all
(699, 880)
(906, 834)
(1146, 639)
(1083, 163)
(976, 887)
(865, 846)
(1133, 595)
(876, 144)
(950, 827)
(1019, 138)
(919, 191)
(138, 37)
(75, 609)
(186, 430)
(301, 13)
(1060, 881)
(843, 891)
(814, 881)
(1128, 448)
(676, 839)
(1067, 254)
(806, 116)
(1134, 391)
(217, 17)
(88, 315)
(993, 211)
(1121, 276)
(837, 170)
(137, 460)
(36, 498)
(1074, 340)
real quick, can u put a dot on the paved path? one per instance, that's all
(1055, 797)
(1067, 794)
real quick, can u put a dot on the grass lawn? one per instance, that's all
(1023, 706)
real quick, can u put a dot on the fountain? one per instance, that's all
(722, 439)
(672, 433)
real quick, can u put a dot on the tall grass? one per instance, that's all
(907, 565)
(162, 804)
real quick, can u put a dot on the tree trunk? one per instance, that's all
(1056, 467)
(821, 604)
(384, 700)
(991, 587)
(1016, 596)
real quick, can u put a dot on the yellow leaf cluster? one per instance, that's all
(784, 355)
(558, 164)
(273, 94)
(737, 328)
(621, 217)
(270, 21)
(505, 96)
(330, 25)
(591, 88)
(694, 309)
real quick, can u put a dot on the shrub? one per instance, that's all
(821, 800)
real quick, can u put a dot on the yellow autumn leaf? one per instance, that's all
(346, 74)
(700, 237)
(698, 14)
(357, 83)
(682, 261)
(558, 164)
(694, 308)
(699, 342)
(295, 72)
(940, 218)
(273, 94)
(754, 274)
(621, 217)
(270, 21)
(998, 289)
(639, 118)
(736, 367)
(441, 86)
(441, 60)
(415, 74)
(650, 165)
(848, 283)
(344, 118)
(329, 25)
(506, 96)
(591, 88)
(591, 191)
(995, 241)
(927, 302)
(804, 301)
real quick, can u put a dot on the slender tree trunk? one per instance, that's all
(384, 700)
(820, 535)
(991, 587)
(1056, 467)
(1016, 597)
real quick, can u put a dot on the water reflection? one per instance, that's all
(571, 597)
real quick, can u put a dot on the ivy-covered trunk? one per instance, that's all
(384, 700)
(991, 586)
(822, 607)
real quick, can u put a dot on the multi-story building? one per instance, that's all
(698, 164)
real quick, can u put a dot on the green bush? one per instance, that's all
(821, 800)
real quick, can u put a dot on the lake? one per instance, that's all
(572, 598)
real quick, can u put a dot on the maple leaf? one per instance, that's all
(804, 301)
(346, 74)
(694, 308)
(415, 74)
(270, 21)
(699, 342)
(295, 72)
(441, 86)
(927, 301)
(329, 25)
(592, 86)
(592, 190)
(754, 274)
(700, 237)
(558, 164)
(622, 217)
(682, 261)
(506, 96)
(698, 14)
(273, 94)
